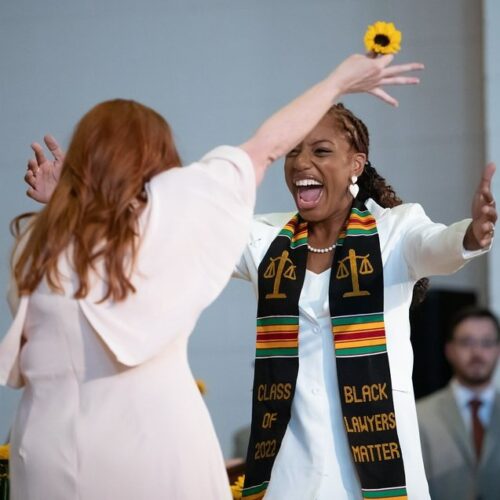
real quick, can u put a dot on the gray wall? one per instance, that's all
(215, 69)
(491, 15)
(491, 19)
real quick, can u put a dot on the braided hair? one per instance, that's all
(370, 181)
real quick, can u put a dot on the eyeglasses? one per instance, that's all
(468, 343)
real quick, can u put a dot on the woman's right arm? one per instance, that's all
(287, 127)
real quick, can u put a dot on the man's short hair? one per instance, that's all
(471, 312)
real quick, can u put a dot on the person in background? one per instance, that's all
(460, 424)
(109, 279)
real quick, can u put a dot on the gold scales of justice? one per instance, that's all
(283, 267)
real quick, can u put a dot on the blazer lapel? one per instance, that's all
(492, 435)
(451, 414)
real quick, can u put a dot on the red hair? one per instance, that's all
(116, 148)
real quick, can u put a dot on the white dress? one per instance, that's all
(110, 409)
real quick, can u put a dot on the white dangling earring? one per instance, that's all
(354, 188)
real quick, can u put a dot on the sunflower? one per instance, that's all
(4, 452)
(237, 487)
(202, 387)
(383, 38)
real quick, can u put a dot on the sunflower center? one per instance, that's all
(382, 40)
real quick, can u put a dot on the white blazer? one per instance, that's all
(412, 247)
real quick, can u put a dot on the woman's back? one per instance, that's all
(110, 402)
(104, 428)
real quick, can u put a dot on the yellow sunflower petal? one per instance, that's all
(383, 28)
(370, 32)
(397, 36)
(368, 45)
(4, 452)
(237, 487)
(202, 387)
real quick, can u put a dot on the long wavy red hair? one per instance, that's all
(117, 147)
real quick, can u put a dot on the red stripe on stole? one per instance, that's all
(299, 235)
(364, 222)
(368, 334)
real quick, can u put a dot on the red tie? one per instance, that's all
(477, 426)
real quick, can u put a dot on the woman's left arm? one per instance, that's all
(480, 232)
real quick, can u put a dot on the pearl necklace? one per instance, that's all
(320, 250)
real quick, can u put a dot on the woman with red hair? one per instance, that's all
(108, 282)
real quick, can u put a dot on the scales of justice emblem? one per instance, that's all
(278, 268)
(283, 267)
(364, 268)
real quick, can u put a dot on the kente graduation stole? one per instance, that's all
(356, 298)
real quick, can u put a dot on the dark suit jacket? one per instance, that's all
(449, 458)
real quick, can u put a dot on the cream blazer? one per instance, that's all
(193, 230)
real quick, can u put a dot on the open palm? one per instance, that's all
(484, 214)
(43, 173)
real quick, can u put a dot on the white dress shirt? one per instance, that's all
(315, 434)
(463, 395)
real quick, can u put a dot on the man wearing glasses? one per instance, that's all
(460, 424)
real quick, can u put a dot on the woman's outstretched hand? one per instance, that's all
(481, 230)
(361, 73)
(287, 127)
(43, 174)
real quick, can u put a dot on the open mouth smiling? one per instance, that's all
(308, 192)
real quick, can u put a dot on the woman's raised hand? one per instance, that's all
(43, 174)
(288, 126)
(360, 73)
(484, 213)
